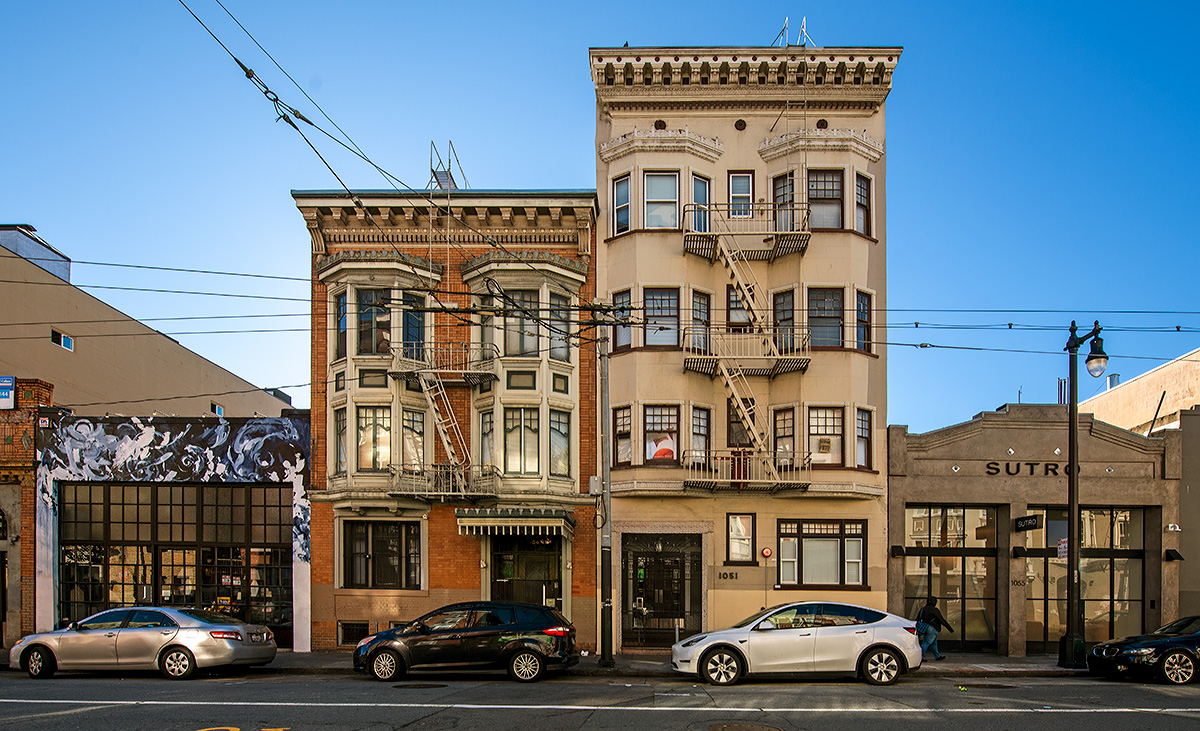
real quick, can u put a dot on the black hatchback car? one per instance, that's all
(1171, 651)
(523, 639)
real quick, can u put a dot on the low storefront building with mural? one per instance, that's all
(977, 516)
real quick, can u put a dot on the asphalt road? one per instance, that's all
(262, 702)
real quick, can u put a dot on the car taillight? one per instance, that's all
(557, 631)
(911, 630)
(221, 634)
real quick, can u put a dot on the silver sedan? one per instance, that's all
(818, 637)
(175, 641)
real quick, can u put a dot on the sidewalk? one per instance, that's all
(659, 665)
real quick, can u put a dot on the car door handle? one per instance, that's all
(110, 634)
(861, 632)
(166, 632)
(806, 634)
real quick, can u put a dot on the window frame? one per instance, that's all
(62, 340)
(862, 204)
(374, 320)
(783, 315)
(752, 538)
(367, 416)
(648, 201)
(701, 438)
(848, 531)
(560, 330)
(822, 183)
(407, 564)
(412, 438)
(339, 435)
(618, 206)
(700, 208)
(622, 429)
(734, 425)
(487, 438)
(340, 324)
(741, 205)
(520, 323)
(559, 423)
(860, 462)
(862, 321)
(622, 334)
(836, 415)
(665, 415)
(661, 316)
(412, 327)
(784, 219)
(527, 429)
(820, 319)
(788, 428)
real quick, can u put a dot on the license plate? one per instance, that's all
(256, 637)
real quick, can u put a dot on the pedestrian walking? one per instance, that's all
(930, 621)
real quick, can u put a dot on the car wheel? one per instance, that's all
(177, 663)
(721, 667)
(386, 665)
(1178, 667)
(40, 663)
(526, 666)
(880, 666)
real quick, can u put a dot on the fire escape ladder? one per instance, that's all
(743, 281)
(443, 416)
(746, 405)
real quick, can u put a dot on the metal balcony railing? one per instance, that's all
(745, 218)
(469, 359)
(447, 482)
(746, 470)
(758, 351)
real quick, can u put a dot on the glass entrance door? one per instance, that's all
(527, 569)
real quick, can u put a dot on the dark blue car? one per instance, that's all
(1172, 652)
(523, 639)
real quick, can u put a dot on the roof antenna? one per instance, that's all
(804, 40)
(782, 35)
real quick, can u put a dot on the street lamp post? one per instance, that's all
(1071, 645)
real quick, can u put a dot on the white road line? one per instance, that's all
(561, 707)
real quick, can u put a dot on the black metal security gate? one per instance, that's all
(662, 589)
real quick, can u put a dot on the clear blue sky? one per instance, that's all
(1041, 156)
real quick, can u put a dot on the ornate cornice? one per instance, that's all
(822, 140)
(379, 256)
(666, 140)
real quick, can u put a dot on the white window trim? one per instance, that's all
(646, 200)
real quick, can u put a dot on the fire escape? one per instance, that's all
(430, 366)
(750, 345)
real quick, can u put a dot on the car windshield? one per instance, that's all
(1185, 626)
(758, 615)
(210, 617)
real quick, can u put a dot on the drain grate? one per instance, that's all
(419, 686)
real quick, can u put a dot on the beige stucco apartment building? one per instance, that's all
(977, 510)
(743, 241)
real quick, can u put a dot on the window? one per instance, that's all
(785, 438)
(662, 200)
(520, 326)
(381, 555)
(374, 437)
(522, 380)
(862, 430)
(784, 307)
(622, 332)
(560, 443)
(372, 379)
(789, 552)
(487, 438)
(560, 383)
(830, 551)
(560, 330)
(339, 381)
(739, 547)
(701, 320)
(487, 332)
(662, 433)
(216, 409)
(825, 435)
(736, 433)
(741, 194)
(701, 197)
(66, 342)
(737, 316)
(825, 317)
(862, 321)
(862, 204)
(623, 436)
(783, 194)
(701, 433)
(413, 329)
(521, 441)
(621, 205)
(339, 314)
(339, 436)
(374, 322)
(662, 317)
(825, 198)
(413, 441)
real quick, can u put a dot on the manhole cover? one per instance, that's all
(992, 686)
(741, 727)
(419, 686)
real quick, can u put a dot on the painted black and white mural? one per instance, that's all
(208, 506)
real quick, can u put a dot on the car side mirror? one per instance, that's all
(764, 625)
(74, 626)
